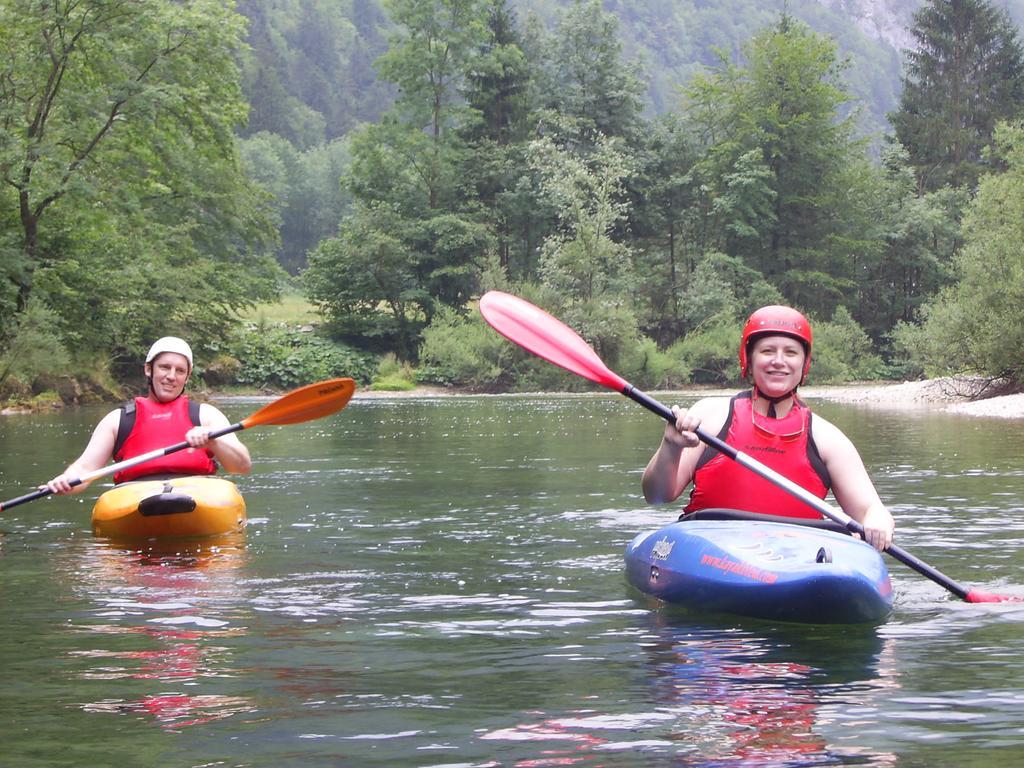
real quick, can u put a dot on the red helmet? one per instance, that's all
(776, 320)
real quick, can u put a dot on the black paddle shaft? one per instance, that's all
(842, 518)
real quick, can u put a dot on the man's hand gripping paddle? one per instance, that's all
(312, 401)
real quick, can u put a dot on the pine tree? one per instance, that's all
(496, 87)
(966, 74)
(587, 80)
(778, 155)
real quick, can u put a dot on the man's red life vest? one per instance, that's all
(788, 448)
(159, 425)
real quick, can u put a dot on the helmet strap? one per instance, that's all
(773, 401)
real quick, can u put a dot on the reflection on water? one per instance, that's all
(717, 695)
(164, 612)
(439, 582)
(763, 698)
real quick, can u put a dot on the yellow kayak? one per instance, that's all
(185, 506)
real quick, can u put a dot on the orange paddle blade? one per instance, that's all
(312, 401)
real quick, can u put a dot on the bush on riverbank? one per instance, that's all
(466, 352)
(843, 352)
(283, 358)
(37, 371)
(393, 376)
(458, 351)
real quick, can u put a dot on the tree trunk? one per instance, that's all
(30, 235)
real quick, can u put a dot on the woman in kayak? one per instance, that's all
(163, 417)
(771, 424)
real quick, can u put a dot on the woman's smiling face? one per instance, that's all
(777, 364)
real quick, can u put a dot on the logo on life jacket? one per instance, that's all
(750, 449)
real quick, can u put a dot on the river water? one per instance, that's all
(439, 582)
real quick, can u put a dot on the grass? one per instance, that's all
(393, 376)
(394, 383)
(292, 309)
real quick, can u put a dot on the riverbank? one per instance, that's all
(951, 394)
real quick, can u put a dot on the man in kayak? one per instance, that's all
(163, 417)
(771, 424)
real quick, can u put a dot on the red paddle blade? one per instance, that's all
(974, 596)
(536, 331)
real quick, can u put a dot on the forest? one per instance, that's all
(169, 167)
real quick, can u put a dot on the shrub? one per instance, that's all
(287, 358)
(608, 326)
(711, 351)
(911, 349)
(648, 367)
(843, 352)
(463, 351)
(393, 376)
(32, 347)
(393, 383)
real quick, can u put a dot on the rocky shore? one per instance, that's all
(951, 394)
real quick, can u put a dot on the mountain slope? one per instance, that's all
(310, 74)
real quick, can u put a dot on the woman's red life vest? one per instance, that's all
(158, 425)
(786, 445)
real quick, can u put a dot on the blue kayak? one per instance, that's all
(722, 561)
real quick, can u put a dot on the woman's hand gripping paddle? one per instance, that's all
(538, 332)
(313, 401)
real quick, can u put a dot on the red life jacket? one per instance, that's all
(789, 449)
(159, 425)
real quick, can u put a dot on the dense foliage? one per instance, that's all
(311, 74)
(284, 358)
(124, 213)
(637, 232)
(308, 73)
(975, 323)
(964, 75)
(403, 156)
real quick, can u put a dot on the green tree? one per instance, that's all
(584, 78)
(367, 282)
(965, 73)
(905, 244)
(495, 129)
(666, 224)
(410, 166)
(974, 325)
(582, 262)
(308, 71)
(117, 155)
(309, 199)
(497, 87)
(428, 60)
(778, 152)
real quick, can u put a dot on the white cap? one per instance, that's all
(170, 344)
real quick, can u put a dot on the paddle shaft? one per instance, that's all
(110, 469)
(799, 492)
(550, 339)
